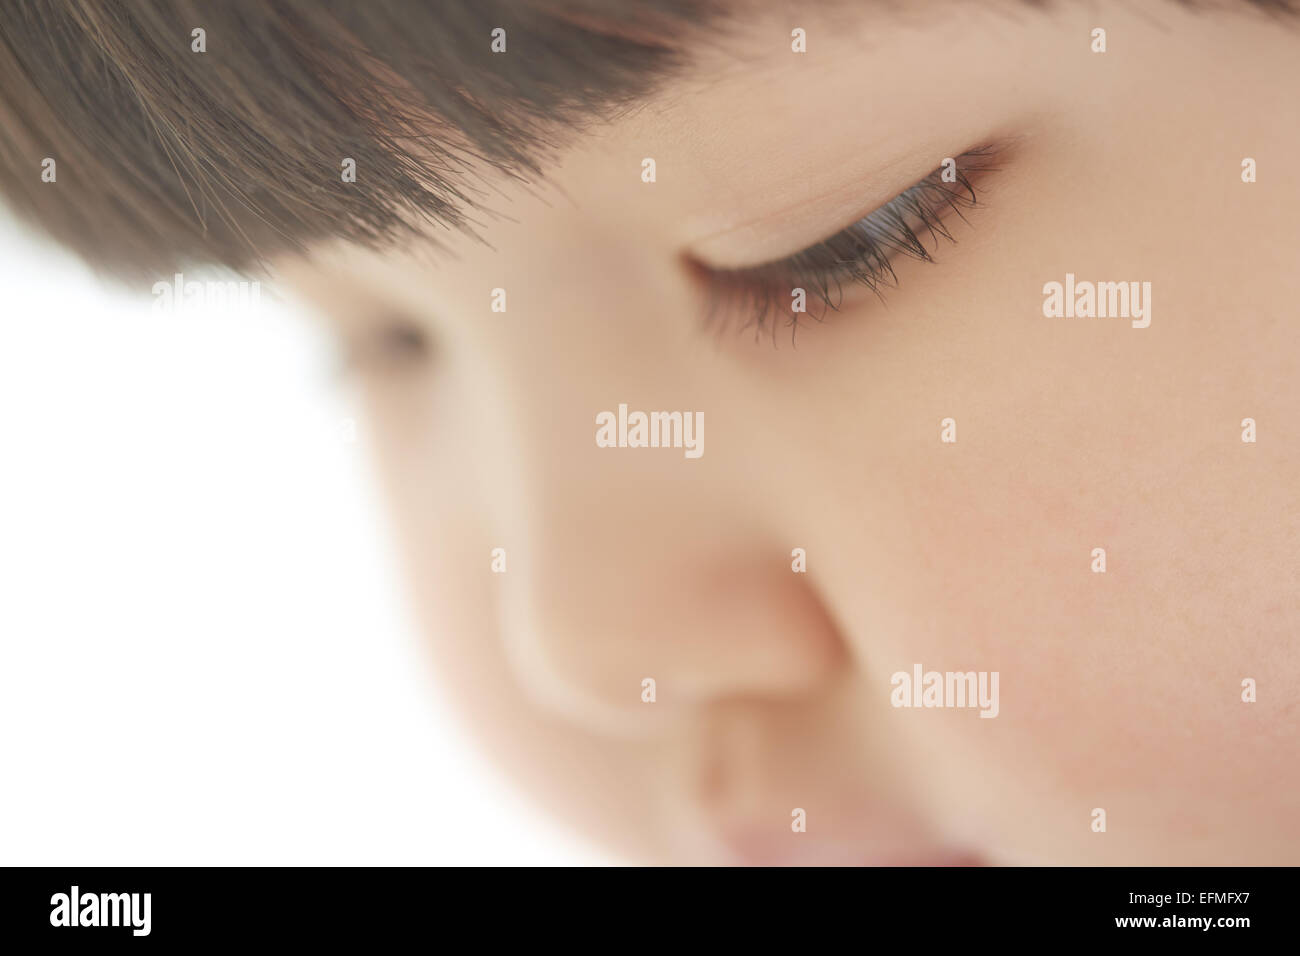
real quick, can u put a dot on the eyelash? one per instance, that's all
(862, 254)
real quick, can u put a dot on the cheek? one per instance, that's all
(1120, 689)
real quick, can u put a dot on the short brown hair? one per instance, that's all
(166, 157)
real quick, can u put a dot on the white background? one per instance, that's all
(203, 655)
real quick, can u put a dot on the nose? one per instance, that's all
(635, 564)
(613, 596)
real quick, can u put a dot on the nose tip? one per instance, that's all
(637, 655)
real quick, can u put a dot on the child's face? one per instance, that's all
(1119, 690)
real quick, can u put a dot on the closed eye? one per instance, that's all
(387, 344)
(912, 224)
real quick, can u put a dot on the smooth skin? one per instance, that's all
(1119, 691)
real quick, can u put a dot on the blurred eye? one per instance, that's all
(393, 344)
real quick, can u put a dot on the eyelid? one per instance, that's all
(775, 238)
(910, 224)
(930, 195)
(803, 220)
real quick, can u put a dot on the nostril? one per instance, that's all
(783, 783)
